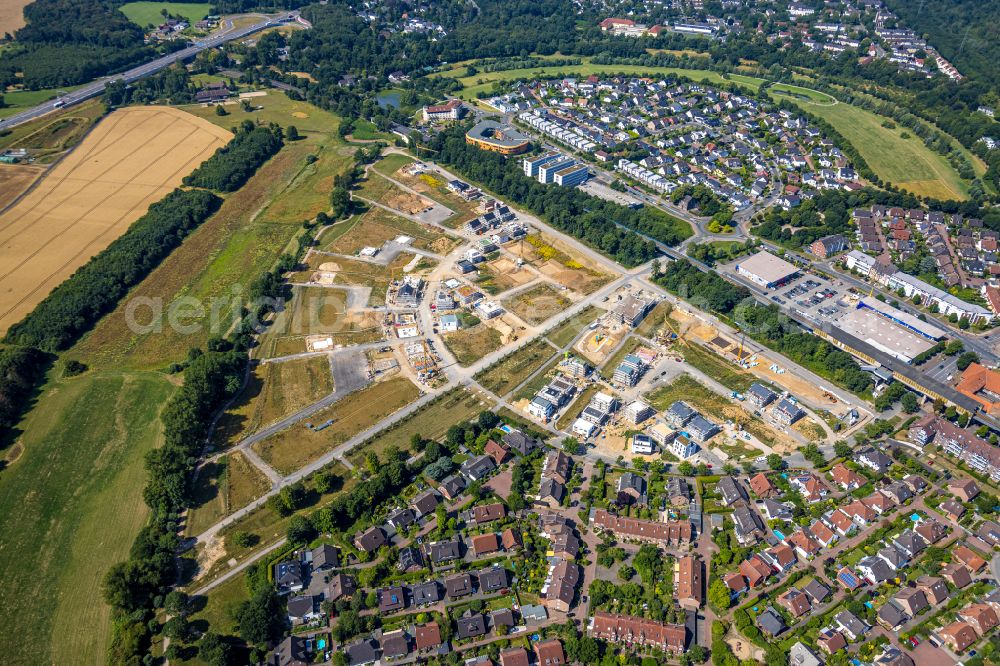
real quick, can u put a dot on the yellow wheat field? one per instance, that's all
(131, 159)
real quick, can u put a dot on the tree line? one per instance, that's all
(136, 587)
(65, 42)
(21, 368)
(233, 164)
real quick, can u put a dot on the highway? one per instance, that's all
(97, 87)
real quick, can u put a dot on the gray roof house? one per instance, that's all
(678, 414)
(470, 626)
(441, 552)
(362, 653)
(850, 625)
(875, 569)
(324, 558)
(731, 490)
(288, 576)
(910, 543)
(890, 616)
(770, 622)
(874, 460)
(426, 593)
(478, 467)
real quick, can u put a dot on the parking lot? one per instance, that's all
(813, 297)
(942, 369)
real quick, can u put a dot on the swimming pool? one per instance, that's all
(778, 534)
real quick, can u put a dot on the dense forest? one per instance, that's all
(21, 368)
(603, 225)
(966, 32)
(234, 163)
(71, 41)
(95, 289)
(764, 323)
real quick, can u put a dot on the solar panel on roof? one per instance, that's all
(848, 579)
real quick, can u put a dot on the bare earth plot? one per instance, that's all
(538, 303)
(133, 158)
(15, 179)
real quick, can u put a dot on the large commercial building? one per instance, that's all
(767, 270)
(547, 172)
(889, 329)
(491, 135)
(572, 175)
(532, 164)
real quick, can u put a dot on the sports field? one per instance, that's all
(70, 506)
(133, 158)
(148, 13)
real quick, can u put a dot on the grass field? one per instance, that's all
(225, 254)
(504, 376)
(716, 367)
(484, 80)
(537, 304)
(814, 96)
(71, 505)
(655, 320)
(471, 344)
(298, 445)
(566, 332)
(273, 391)
(529, 388)
(391, 163)
(223, 487)
(712, 405)
(220, 603)
(51, 135)
(575, 407)
(365, 130)
(376, 226)
(148, 13)
(268, 526)
(16, 101)
(133, 158)
(430, 422)
(905, 162)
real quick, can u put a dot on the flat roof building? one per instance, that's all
(766, 269)
(491, 135)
